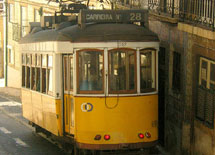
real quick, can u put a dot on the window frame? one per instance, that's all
(23, 66)
(44, 67)
(77, 72)
(205, 95)
(135, 72)
(49, 68)
(11, 11)
(153, 70)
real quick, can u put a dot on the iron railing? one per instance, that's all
(198, 12)
(167, 7)
(18, 31)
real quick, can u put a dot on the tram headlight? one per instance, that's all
(97, 137)
(148, 135)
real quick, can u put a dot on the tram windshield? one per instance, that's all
(90, 70)
(122, 71)
(147, 71)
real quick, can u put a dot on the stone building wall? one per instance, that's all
(184, 133)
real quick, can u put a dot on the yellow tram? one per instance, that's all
(93, 82)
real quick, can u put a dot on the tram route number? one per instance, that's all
(135, 16)
(112, 16)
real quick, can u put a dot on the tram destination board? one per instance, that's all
(114, 16)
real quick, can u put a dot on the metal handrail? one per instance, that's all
(198, 12)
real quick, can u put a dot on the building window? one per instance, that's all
(36, 15)
(147, 71)
(90, 71)
(122, 71)
(176, 77)
(11, 13)
(206, 89)
(10, 56)
(24, 21)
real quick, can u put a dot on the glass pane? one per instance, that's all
(50, 79)
(38, 60)
(204, 73)
(43, 80)
(23, 76)
(33, 59)
(90, 71)
(50, 61)
(23, 59)
(38, 79)
(146, 79)
(71, 72)
(28, 78)
(122, 70)
(28, 59)
(33, 79)
(44, 60)
(65, 73)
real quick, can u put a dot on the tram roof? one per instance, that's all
(92, 33)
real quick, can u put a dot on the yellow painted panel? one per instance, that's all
(43, 110)
(50, 122)
(59, 117)
(121, 117)
(48, 104)
(36, 100)
(38, 117)
(37, 109)
(26, 104)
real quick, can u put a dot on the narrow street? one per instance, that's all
(18, 139)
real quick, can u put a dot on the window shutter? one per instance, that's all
(209, 107)
(200, 104)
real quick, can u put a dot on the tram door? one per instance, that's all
(68, 107)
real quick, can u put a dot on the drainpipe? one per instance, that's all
(5, 42)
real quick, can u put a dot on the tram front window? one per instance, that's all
(147, 71)
(90, 71)
(122, 71)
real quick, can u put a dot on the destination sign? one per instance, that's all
(123, 16)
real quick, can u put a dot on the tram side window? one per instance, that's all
(50, 73)
(122, 71)
(71, 72)
(44, 67)
(38, 65)
(38, 79)
(90, 71)
(147, 71)
(23, 69)
(28, 71)
(33, 78)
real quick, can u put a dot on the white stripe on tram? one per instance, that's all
(5, 130)
(20, 142)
